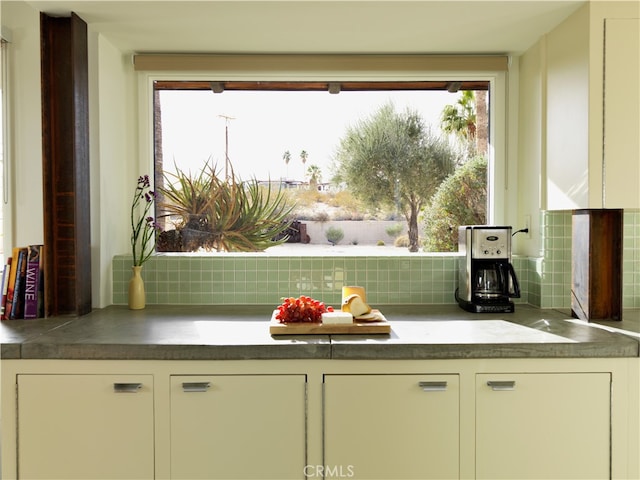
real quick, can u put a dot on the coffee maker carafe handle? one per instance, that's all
(512, 286)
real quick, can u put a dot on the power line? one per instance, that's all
(227, 118)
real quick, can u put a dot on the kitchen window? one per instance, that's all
(183, 105)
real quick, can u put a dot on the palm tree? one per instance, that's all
(482, 123)
(286, 156)
(460, 119)
(315, 175)
(303, 156)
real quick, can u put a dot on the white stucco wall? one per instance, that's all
(355, 232)
(24, 213)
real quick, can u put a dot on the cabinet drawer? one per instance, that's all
(238, 426)
(85, 426)
(392, 426)
(547, 425)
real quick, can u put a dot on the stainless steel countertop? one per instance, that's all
(161, 332)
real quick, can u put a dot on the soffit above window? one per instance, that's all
(292, 65)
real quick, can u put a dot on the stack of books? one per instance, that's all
(23, 284)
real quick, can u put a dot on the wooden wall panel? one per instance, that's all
(596, 291)
(65, 120)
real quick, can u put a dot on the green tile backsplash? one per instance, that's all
(228, 278)
(261, 279)
(550, 285)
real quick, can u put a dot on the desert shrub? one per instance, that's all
(321, 217)
(305, 197)
(402, 241)
(460, 200)
(380, 243)
(394, 230)
(344, 199)
(334, 235)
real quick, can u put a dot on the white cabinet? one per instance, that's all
(238, 426)
(325, 418)
(621, 155)
(391, 426)
(550, 425)
(85, 426)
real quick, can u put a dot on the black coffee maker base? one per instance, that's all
(507, 307)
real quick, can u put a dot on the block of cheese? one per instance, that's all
(336, 318)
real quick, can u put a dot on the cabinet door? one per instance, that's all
(85, 426)
(622, 113)
(238, 426)
(550, 426)
(391, 426)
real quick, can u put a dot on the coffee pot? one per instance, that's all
(495, 280)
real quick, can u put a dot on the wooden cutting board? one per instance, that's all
(307, 328)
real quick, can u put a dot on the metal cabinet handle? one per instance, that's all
(195, 386)
(433, 386)
(126, 387)
(502, 385)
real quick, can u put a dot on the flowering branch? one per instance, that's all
(143, 227)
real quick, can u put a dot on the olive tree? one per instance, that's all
(392, 159)
(460, 200)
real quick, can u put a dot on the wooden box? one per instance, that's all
(596, 272)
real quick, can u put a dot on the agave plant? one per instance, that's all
(262, 218)
(225, 215)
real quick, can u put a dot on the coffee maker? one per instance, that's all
(486, 278)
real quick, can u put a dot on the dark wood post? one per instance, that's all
(596, 272)
(65, 145)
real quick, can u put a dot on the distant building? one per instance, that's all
(298, 185)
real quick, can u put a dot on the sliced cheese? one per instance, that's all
(355, 305)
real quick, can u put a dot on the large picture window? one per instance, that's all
(347, 150)
(359, 163)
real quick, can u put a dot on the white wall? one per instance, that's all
(113, 144)
(24, 211)
(114, 163)
(531, 151)
(355, 232)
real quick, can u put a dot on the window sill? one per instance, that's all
(319, 250)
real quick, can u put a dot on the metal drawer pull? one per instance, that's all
(433, 386)
(502, 385)
(195, 386)
(126, 387)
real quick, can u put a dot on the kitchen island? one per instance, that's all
(206, 392)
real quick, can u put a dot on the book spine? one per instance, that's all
(12, 283)
(41, 312)
(17, 307)
(32, 282)
(5, 287)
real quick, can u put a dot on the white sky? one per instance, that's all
(266, 124)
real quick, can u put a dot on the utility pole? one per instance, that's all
(226, 145)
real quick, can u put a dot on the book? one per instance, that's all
(12, 282)
(5, 285)
(41, 313)
(32, 283)
(17, 305)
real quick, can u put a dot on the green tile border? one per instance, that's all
(414, 279)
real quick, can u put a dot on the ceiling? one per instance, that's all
(326, 26)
